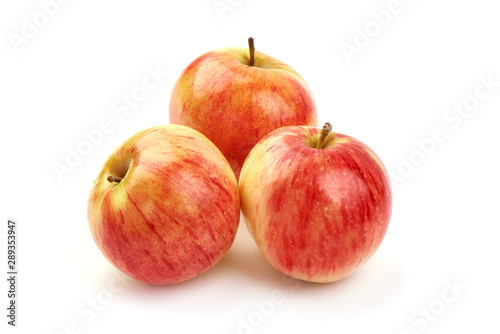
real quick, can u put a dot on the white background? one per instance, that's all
(394, 92)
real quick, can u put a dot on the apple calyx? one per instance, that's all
(324, 133)
(112, 179)
(251, 48)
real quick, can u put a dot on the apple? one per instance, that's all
(235, 96)
(165, 207)
(317, 203)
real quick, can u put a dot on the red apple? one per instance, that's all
(317, 203)
(165, 206)
(235, 96)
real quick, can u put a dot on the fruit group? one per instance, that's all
(235, 102)
(317, 203)
(165, 207)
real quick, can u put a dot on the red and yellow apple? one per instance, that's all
(165, 207)
(317, 203)
(235, 96)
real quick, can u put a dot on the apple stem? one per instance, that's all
(251, 47)
(112, 179)
(324, 133)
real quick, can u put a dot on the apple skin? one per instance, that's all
(315, 214)
(176, 211)
(235, 104)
